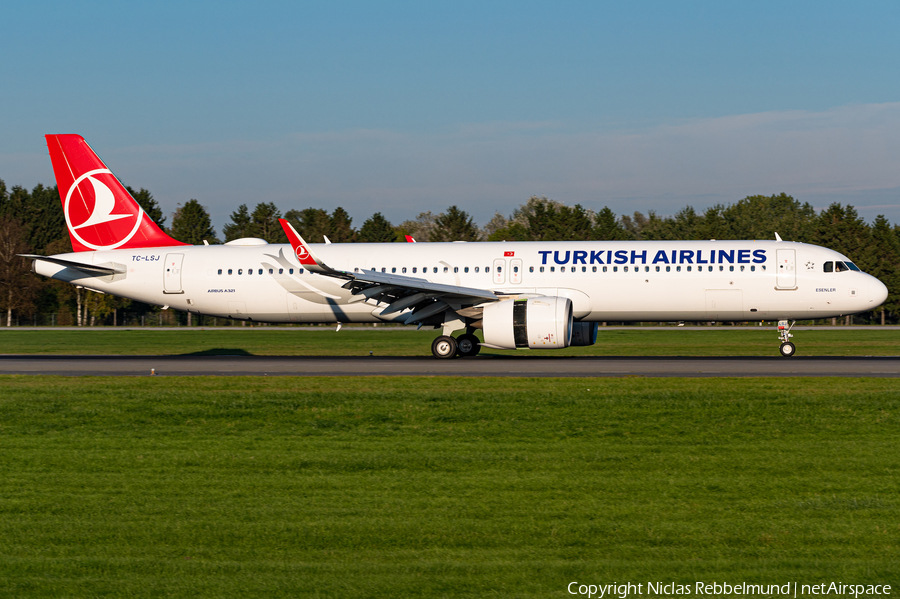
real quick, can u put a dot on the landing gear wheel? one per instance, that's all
(787, 349)
(468, 345)
(444, 347)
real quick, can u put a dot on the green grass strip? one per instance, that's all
(420, 487)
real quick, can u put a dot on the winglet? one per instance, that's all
(301, 249)
(777, 236)
(409, 239)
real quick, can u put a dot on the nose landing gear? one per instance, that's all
(787, 348)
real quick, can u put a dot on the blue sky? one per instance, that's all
(406, 107)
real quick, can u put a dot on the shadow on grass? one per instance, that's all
(219, 351)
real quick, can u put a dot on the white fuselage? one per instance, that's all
(606, 280)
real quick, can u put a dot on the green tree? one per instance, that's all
(376, 229)
(454, 225)
(341, 227)
(17, 285)
(311, 223)
(191, 224)
(265, 225)
(149, 205)
(240, 225)
(607, 227)
(885, 262)
(760, 217)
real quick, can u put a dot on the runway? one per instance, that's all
(502, 366)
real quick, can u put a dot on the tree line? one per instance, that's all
(32, 222)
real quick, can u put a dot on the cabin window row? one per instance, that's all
(240, 271)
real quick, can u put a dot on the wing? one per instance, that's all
(423, 298)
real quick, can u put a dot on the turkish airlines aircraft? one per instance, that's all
(523, 295)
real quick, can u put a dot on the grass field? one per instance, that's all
(418, 487)
(296, 342)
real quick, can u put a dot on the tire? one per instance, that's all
(444, 347)
(787, 349)
(468, 345)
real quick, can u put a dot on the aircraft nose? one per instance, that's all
(878, 292)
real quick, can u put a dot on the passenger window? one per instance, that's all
(624, 269)
(220, 271)
(657, 269)
(229, 271)
(487, 269)
(763, 267)
(415, 270)
(240, 271)
(721, 268)
(668, 269)
(542, 269)
(393, 269)
(730, 268)
(710, 269)
(615, 269)
(552, 269)
(356, 269)
(249, 271)
(476, 269)
(435, 269)
(500, 269)
(281, 271)
(260, 271)
(455, 269)
(300, 272)
(562, 269)
(584, 269)
(403, 270)
(677, 269)
(689, 269)
(466, 269)
(446, 269)
(646, 269)
(291, 271)
(742, 268)
(752, 269)
(604, 269)
(593, 269)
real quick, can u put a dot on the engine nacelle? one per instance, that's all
(584, 333)
(532, 323)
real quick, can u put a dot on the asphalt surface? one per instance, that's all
(506, 365)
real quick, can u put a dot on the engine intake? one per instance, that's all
(532, 323)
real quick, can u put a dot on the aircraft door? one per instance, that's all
(786, 273)
(515, 271)
(172, 274)
(499, 271)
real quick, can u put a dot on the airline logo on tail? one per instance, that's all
(99, 211)
(93, 215)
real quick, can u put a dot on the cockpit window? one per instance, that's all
(840, 267)
(829, 266)
(852, 266)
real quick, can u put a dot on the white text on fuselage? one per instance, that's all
(660, 257)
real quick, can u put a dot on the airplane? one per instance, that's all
(521, 295)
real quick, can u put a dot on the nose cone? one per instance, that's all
(878, 293)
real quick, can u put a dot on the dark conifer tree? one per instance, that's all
(191, 224)
(376, 229)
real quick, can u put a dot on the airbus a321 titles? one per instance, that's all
(522, 295)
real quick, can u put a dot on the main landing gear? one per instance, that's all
(787, 348)
(446, 347)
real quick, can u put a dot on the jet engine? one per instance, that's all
(532, 323)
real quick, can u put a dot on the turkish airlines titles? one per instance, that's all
(661, 257)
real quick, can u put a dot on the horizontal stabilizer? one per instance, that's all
(94, 271)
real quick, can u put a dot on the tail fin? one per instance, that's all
(100, 213)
